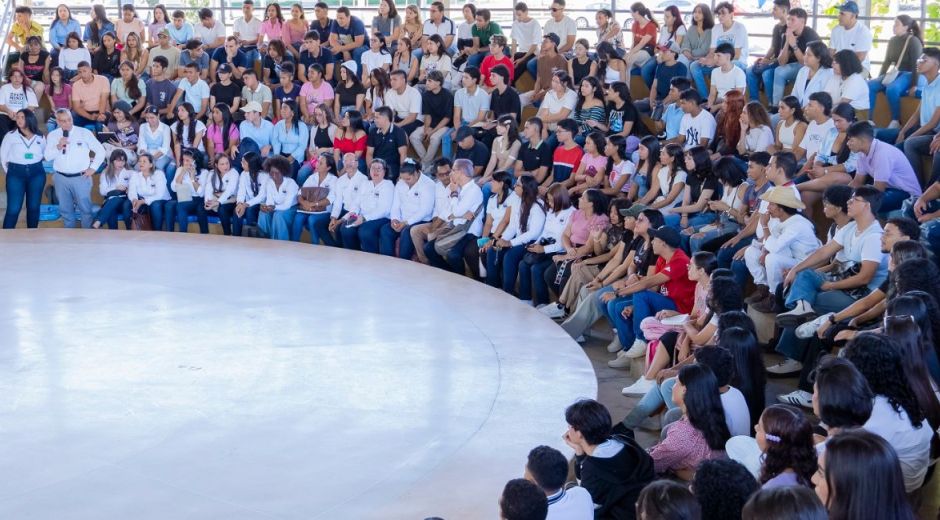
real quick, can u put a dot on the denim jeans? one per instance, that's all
(893, 92)
(388, 236)
(806, 287)
(158, 214)
(758, 75)
(24, 184)
(364, 237)
(892, 199)
(698, 73)
(111, 209)
(307, 220)
(659, 395)
(532, 284)
(648, 71)
(930, 230)
(532, 67)
(183, 210)
(250, 218)
(511, 261)
(696, 244)
(276, 224)
(454, 261)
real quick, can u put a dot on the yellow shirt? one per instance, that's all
(20, 34)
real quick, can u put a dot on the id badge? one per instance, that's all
(28, 156)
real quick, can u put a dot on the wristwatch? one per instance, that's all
(832, 319)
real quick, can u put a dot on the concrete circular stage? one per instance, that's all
(155, 376)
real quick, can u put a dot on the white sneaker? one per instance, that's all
(482, 270)
(553, 310)
(581, 339)
(621, 361)
(802, 312)
(614, 346)
(638, 349)
(894, 124)
(808, 329)
(787, 366)
(797, 398)
(640, 387)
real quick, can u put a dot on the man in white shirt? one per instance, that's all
(419, 233)
(471, 103)
(413, 205)
(725, 78)
(698, 125)
(466, 207)
(852, 35)
(812, 292)
(209, 31)
(440, 25)
(405, 100)
(344, 195)
(793, 239)
(246, 29)
(817, 112)
(69, 148)
(561, 26)
(192, 90)
(725, 31)
(547, 468)
(526, 38)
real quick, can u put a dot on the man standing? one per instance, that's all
(413, 205)
(852, 35)
(246, 30)
(75, 154)
(727, 30)
(348, 37)
(387, 141)
(465, 209)
(437, 105)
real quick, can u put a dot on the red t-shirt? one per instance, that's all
(640, 32)
(489, 62)
(679, 288)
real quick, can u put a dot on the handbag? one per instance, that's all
(140, 221)
(314, 195)
(892, 73)
(448, 237)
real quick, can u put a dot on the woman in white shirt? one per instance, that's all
(815, 73)
(250, 193)
(377, 57)
(148, 194)
(435, 58)
(790, 128)
(187, 132)
(14, 96)
(21, 156)
(669, 182)
(847, 84)
(71, 55)
(317, 207)
(154, 138)
(525, 224)
(280, 200)
(221, 192)
(558, 104)
(189, 185)
(113, 185)
(755, 127)
(549, 243)
(371, 212)
(495, 221)
(834, 163)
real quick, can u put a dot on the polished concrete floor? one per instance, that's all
(149, 375)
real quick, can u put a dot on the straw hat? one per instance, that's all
(783, 196)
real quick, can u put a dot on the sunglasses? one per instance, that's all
(556, 9)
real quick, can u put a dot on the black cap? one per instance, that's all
(152, 110)
(225, 67)
(668, 235)
(554, 38)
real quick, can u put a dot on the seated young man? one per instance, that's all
(668, 68)
(891, 172)
(669, 122)
(925, 210)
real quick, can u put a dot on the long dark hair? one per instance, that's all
(821, 51)
(226, 125)
(29, 117)
(667, 500)
(789, 436)
(295, 117)
(703, 404)
(638, 7)
(848, 63)
(622, 90)
(436, 38)
(784, 503)
(596, 90)
(255, 164)
(677, 16)
(355, 121)
(652, 157)
(749, 374)
(350, 75)
(708, 18)
(109, 172)
(847, 112)
(101, 16)
(903, 322)
(794, 103)
(864, 478)
(162, 9)
(702, 162)
(506, 180)
(878, 358)
(605, 52)
(188, 107)
(216, 177)
(55, 19)
(930, 322)
(530, 197)
(384, 83)
(132, 85)
(620, 143)
(675, 151)
(913, 28)
(512, 128)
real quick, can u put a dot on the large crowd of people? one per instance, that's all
(526, 161)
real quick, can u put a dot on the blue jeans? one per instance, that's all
(511, 260)
(533, 67)
(185, 209)
(806, 287)
(696, 220)
(158, 214)
(251, 56)
(305, 171)
(364, 237)
(111, 209)
(476, 59)
(309, 221)
(24, 184)
(892, 200)
(659, 395)
(930, 230)
(454, 261)
(698, 73)
(894, 91)
(648, 71)
(250, 218)
(276, 224)
(757, 75)
(388, 236)
(696, 244)
(645, 304)
(532, 284)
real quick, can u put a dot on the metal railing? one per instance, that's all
(6, 22)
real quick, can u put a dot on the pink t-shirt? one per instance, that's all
(62, 100)
(316, 96)
(581, 226)
(593, 164)
(272, 29)
(291, 35)
(214, 134)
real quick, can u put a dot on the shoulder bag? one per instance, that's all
(448, 237)
(893, 71)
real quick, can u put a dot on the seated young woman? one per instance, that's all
(701, 187)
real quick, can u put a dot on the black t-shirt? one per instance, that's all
(160, 93)
(34, 70)
(324, 59)
(323, 32)
(617, 116)
(347, 95)
(697, 185)
(385, 146)
(104, 64)
(274, 68)
(438, 106)
(225, 93)
(478, 154)
(506, 103)
(533, 159)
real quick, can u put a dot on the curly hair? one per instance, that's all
(722, 487)
(879, 360)
(789, 437)
(916, 274)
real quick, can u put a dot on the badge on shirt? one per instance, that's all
(28, 156)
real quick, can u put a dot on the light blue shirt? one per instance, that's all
(672, 115)
(182, 35)
(59, 31)
(196, 94)
(929, 100)
(260, 134)
(293, 141)
(828, 157)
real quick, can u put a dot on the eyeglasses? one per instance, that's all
(856, 199)
(556, 9)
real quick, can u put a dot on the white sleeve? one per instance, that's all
(427, 196)
(871, 248)
(789, 235)
(535, 225)
(5, 153)
(395, 213)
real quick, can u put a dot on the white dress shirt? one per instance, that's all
(122, 179)
(468, 200)
(555, 224)
(190, 181)
(347, 192)
(227, 189)
(76, 156)
(17, 149)
(150, 188)
(283, 197)
(794, 237)
(534, 227)
(245, 192)
(375, 200)
(152, 141)
(441, 200)
(414, 204)
(328, 182)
